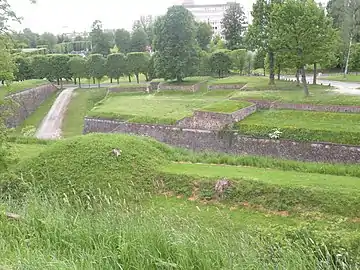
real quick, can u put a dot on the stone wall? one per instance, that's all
(266, 104)
(226, 86)
(213, 120)
(171, 86)
(229, 142)
(128, 89)
(20, 105)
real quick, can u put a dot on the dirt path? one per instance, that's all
(50, 127)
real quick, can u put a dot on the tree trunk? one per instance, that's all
(220, 74)
(264, 72)
(146, 77)
(315, 74)
(303, 79)
(118, 81)
(98, 83)
(297, 77)
(110, 80)
(348, 57)
(79, 82)
(272, 69)
(94, 80)
(61, 84)
(58, 81)
(75, 82)
(130, 78)
(279, 72)
(137, 78)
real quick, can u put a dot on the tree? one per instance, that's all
(96, 65)
(139, 40)
(151, 68)
(233, 24)
(115, 66)
(138, 63)
(259, 60)
(77, 66)
(204, 68)
(145, 23)
(48, 39)
(238, 58)
(301, 29)
(175, 42)
(23, 71)
(217, 44)
(41, 67)
(123, 40)
(100, 42)
(260, 32)
(59, 65)
(220, 63)
(204, 33)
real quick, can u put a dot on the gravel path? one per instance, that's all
(347, 88)
(50, 127)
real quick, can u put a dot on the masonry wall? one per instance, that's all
(265, 104)
(181, 87)
(225, 86)
(20, 105)
(128, 89)
(229, 142)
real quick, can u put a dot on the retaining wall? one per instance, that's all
(226, 86)
(191, 88)
(128, 89)
(213, 120)
(266, 104)
(21, 105)
(230, 142)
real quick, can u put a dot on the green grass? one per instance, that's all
(82, 102)
(36, 117)
(84, 208)
(267, 188)
(226, 106)
(348, 78)
(25, 151)
(20, 86)
(288, 92)
(161, 108)
(304, 125)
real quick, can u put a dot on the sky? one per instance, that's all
(78, 15)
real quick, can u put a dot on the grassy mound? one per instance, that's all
(86, 165)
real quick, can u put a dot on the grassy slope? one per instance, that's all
(164, 107)
(302, 125)
(83, 217)
(82, 101)
(19, 86)
(36, 117)
(348, 78)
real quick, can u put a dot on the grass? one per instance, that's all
(36, 117)
(161, 108)
(84, 208)
(26, 151)
(303, 125)
(348, 78)
(20, 86)
(226, 106)
(83, 100)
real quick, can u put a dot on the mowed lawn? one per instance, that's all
(270, 176)
(163, 108)
(304, 125)
(15, 87)
(341, 78)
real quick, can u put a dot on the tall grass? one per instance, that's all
(104, 233)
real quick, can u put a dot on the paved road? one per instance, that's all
(50, 127)
(347, 88)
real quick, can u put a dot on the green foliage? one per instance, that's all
(233, 24)
(59, 66)
(24, 70)
(203, 34)
(7, 64)
(217, 44)
(138, 62)
(354, 64)
(139, 40)
(151, 68)
(99, 40)
(259, 59)
(220, 63)
(175, 43)
(41, 67)
(238, 58)
(77, 67)
(204, 68)
(96, 66)
(115, 65)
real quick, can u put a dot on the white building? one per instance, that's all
(212, 14)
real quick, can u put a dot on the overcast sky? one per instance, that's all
(77, 15)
